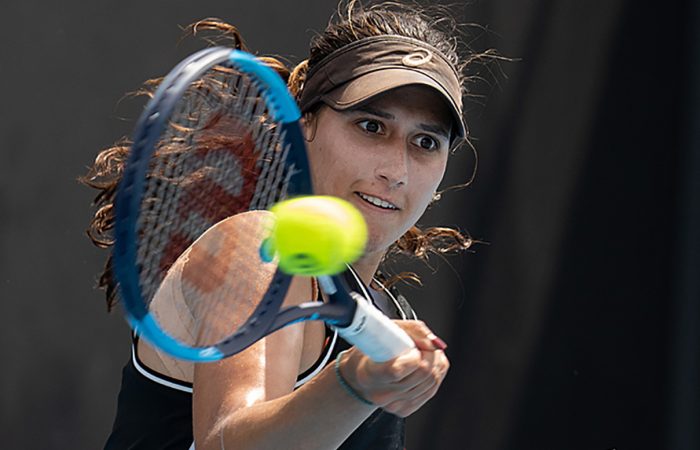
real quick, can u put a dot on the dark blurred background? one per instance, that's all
(576, 327)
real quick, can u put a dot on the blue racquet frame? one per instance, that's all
(267, 317)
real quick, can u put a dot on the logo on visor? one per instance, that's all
(417, 58)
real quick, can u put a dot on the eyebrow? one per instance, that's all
(375, 112)
(431, 128)
(437, 129)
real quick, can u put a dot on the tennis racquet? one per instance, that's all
(217, 145)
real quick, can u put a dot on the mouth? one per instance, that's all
(377, 202)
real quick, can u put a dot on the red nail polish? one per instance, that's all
(439, 343)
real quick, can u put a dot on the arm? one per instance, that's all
(247, 400)
(249, 397)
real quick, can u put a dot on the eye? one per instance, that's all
(370, 126)
(426, 142)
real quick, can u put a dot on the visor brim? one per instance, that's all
(371, 85)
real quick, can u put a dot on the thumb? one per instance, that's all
(423, 336)
(405, 364)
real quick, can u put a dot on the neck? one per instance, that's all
(367, 266)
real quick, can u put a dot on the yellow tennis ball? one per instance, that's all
(317, 235)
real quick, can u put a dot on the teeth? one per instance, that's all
(377, 201)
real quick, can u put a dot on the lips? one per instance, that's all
(378, 202)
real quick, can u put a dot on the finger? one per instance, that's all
(415, 386)
(432, 364)
(406, 407)
(437, 342)
(429, 384)
(396, 369)
(423, 371)
(421, 391)
(376, 382)
(423, 337)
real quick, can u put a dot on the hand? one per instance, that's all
(404, 384)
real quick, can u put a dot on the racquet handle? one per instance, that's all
(374, 334)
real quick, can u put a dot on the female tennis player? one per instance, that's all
(381, 95)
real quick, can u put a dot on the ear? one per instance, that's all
(308, 124)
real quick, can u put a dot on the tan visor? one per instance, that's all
(372, 66)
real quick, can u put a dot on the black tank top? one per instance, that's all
(155, 411)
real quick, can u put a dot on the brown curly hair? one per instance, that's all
(352, 22)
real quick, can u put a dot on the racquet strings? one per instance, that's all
(220, 155)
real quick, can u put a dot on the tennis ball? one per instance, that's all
(317, 235)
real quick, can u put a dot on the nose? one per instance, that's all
(392, 165)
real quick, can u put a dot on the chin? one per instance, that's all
(377, 244)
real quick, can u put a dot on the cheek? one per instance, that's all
(317, 166)
(421, 203)
(328, 168)
(430, 179)
(317, 163)
(428, 183)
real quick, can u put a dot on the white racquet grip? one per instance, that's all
(374, 334)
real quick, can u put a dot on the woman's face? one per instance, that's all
(386, 157)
